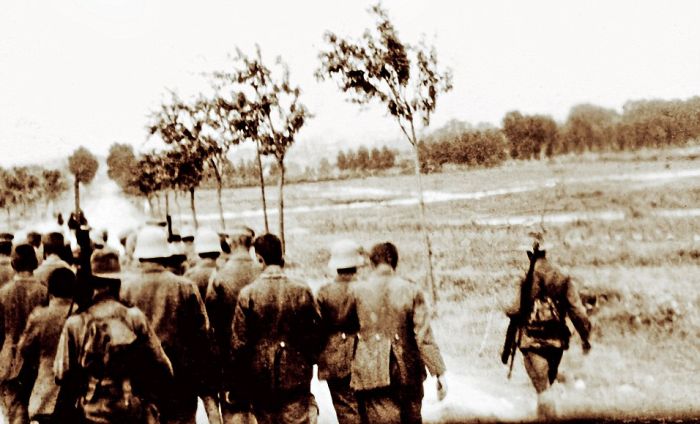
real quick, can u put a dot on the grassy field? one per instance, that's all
(641, 265)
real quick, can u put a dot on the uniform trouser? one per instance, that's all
(542, 365)
(14, 409)
(232, 414)
(389, 405)
(300, 409)
(344, 400)
(181, 408)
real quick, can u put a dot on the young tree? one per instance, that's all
(53, 184)
(121, 166)
(83, 165)
(279, 113)
(405, 79)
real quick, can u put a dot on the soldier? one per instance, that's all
(221, 298)
(275, 342)
(187, 237)
(6, 271)
(544, 334)
(110, 356)
(17, 300)
(37, 347)
(395, 344)
(34, 239)
(54, 246)
(338, 329)
(208, 246)
(176, 312)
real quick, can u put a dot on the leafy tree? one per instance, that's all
(121, 166)
(589, 127)
(387, 158)
(277, 112)
(362, 158)
(379, 67)
(341, 161)
(53, 184)
(528, 135)
(150, 176)
(83, 165)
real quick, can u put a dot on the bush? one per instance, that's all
(471, 147)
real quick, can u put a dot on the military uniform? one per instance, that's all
(395, 346)
(221, 298)
(17, 300)
(176, 313)
(6, 271)
(543, 347)
(273, 348)
(116, 391)
(200, 273)
(36, 353)
(338, 329)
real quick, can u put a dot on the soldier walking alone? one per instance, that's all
(538, 325)
(395, 344)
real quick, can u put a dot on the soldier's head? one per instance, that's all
(241, 236)
(151, 245)
(6, 243)
(346, 257)
(34, 239)
(54, 244)
(106, 271)
(62, 283)
(384, 253)
(207, 243)
(24, 258)
(268, 249)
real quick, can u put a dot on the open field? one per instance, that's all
(626, 227)
(627, 230)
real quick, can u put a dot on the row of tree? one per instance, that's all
(22, 188)
(362, 159)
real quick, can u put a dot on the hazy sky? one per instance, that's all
(87, 72)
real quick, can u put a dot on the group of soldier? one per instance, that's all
(99, 335)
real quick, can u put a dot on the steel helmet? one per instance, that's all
(346, 254)
(151, 243)
(207, 241)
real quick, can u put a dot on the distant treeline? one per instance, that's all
(588, 128)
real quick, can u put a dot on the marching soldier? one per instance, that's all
(207, 246)
(395, 344)
(545, 299)
(176, 313)
(221, 298)
(109, 355)
(54, 247)
(275, 342)
(6, 271)
(37, 347)
(338, 329)
(17, 300)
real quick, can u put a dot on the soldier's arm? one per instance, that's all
(26, 361)
(423, 332)
(66, 357)
(312, 324)
(576, 311)
(151, 343)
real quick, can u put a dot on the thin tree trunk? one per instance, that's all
(423, 224)
(179, 209)
(150, 205)
(76, 187)
(219, 183)
(281, 204)
(194, 212)
(262, 187)
(167, 203)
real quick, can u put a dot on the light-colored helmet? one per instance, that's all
(207, 241)
(151, 243)
(346, 254)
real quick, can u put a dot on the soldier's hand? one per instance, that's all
(441, 387)
(586, 347)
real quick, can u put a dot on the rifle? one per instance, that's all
(519, 319)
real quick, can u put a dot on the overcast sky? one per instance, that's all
(87, 72)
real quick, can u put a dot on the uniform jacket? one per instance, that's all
(200, 273)
(275, 337)
(17, 300)
(222, 295)
(395, 342)
(6, 271)
(176, 313)
(151, 371)
(53, 262)
(36, 353)
(338, 328)
(562, 290)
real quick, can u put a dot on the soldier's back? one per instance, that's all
(6, 271)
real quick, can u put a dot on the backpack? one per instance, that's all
(545, 326)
